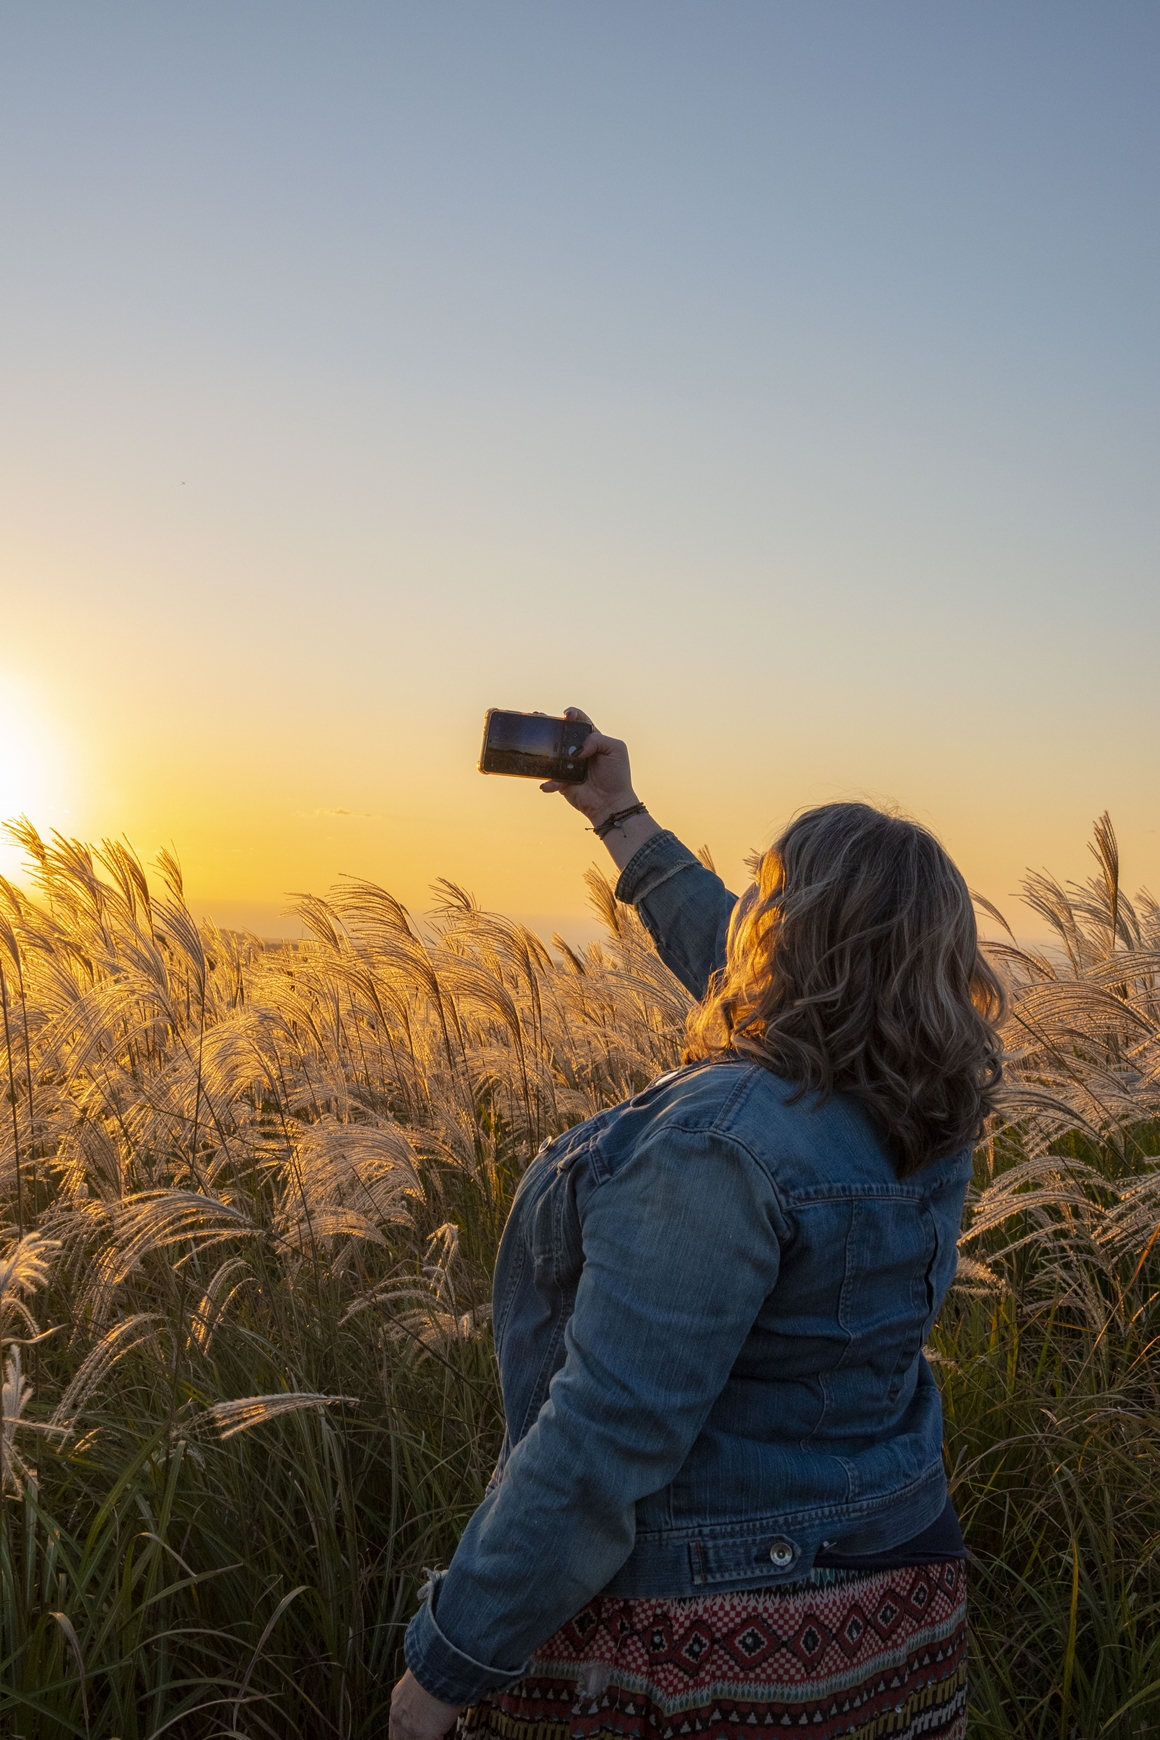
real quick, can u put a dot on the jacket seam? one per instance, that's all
(853, 1509)
(674, 870)
(637, 865)
(539, 1393)
(734, 1142)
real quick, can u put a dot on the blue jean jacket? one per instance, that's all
(710, 1306)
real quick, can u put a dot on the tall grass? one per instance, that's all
(251, 1198)
(1047, 1348)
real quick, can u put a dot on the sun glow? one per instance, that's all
(30, 769)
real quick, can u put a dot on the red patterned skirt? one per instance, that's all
(865, 1654)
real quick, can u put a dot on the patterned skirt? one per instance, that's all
(852, 1653)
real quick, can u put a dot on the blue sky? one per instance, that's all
(778, 381)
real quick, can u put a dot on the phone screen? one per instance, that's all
(524, 734)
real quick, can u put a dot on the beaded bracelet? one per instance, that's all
(619, 816)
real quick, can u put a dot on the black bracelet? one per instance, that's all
(615, 819)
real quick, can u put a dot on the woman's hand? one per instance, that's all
(416, 1715)
(609, 784)
(607, 789)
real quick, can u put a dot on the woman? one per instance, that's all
(720, 1501)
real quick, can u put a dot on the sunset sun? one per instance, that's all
(30, 767)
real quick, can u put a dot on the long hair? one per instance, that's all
(853, 966)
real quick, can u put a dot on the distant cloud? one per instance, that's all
(363, 815)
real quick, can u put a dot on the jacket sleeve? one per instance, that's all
(685, 908)
(649, 1348)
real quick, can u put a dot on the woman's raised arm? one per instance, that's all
(685, 908)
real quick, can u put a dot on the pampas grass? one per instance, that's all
(251, 1197)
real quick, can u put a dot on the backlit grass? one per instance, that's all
(251, 1198)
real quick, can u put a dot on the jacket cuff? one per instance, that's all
(661, 856)
(441, 1669)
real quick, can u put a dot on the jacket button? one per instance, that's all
(782, 1552)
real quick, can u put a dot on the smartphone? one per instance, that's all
(534, 746)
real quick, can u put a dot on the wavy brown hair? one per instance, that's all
(853, 966)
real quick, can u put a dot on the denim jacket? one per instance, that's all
(710, 1305)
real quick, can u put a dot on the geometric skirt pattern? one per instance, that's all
(878, 1655)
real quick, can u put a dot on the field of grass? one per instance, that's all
(250, 1198)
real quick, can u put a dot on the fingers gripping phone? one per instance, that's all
(534, 746)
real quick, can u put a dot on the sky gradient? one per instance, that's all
(779, 382)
